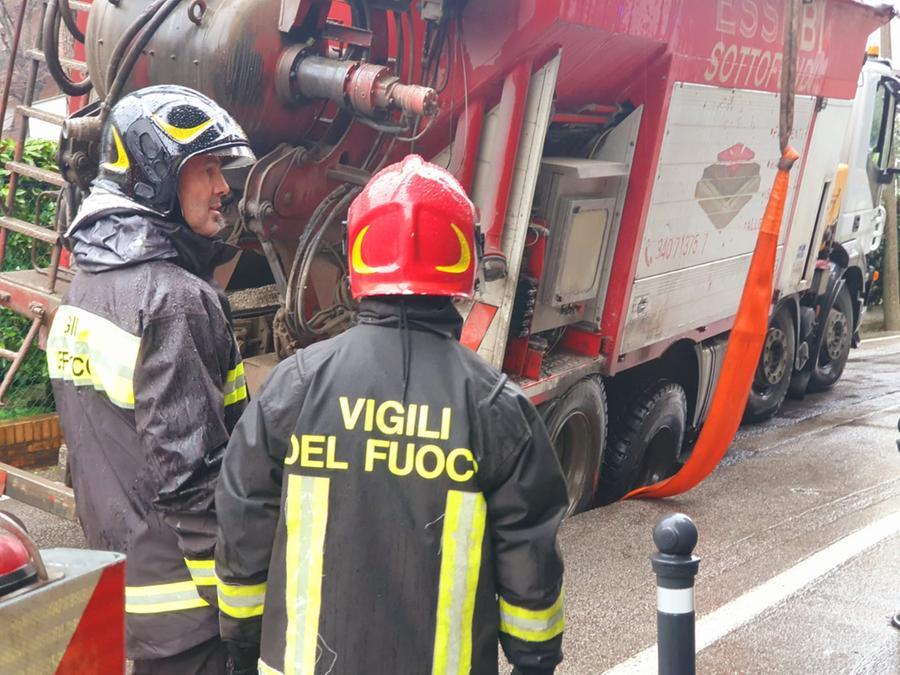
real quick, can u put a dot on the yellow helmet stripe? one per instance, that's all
(356, 259)
(121, 164)
(465, 255)
(182, 136)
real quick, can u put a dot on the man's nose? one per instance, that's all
(220, 185)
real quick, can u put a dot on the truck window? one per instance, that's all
(877, 120)
(882, 132)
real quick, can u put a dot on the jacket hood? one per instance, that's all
(111, 231)
(406, 313)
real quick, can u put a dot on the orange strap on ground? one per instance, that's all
(741, 357)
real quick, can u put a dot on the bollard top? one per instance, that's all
(675, 534)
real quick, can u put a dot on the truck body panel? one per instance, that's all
(620, 156)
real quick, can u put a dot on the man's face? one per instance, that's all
(201, 188)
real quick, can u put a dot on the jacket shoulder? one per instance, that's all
(173, 291)
(505, 412)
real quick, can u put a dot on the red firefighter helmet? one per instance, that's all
(411, 231)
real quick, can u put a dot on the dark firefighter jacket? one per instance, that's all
(389, 505)
(148, 383)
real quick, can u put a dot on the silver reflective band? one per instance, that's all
(306, 517)
(461, 544)
(162, 598)
(202, 572)
(675, 600)
(532, 625)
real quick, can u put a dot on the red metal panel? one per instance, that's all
(98, 644)
(477, 324)
(738, 44)
(586, 343)
(514, 359)
(532, 366)
(654, 92)
(464, 152)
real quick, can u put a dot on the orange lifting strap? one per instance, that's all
(744, 347)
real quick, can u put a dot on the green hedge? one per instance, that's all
(30, 393)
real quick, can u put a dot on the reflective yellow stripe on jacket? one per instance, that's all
(461, 544)
(306, 512)
(532, 625)
(162, 598)
(202, 572)
(88, 350)
(265, 669)
(241, 601)
(235, 385)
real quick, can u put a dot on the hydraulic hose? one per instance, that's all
(121, 47)
(134, 53)
(294, 291)
(310, 253)
(68, 17)
(50, 45)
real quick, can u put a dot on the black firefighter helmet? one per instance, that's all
(152, 132)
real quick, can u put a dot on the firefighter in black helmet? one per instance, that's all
(389, 504)
(145, 369)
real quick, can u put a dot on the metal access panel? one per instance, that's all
(717, 162)
(580, 236)
(578, 199)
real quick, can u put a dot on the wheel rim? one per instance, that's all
(836, 334)
(660, 457)
(573, 437)
(774, 362)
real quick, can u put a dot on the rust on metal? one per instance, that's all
(71, 64)
(196, 10)
(11, 67)
(42, 115)
(29, 229)
(19, 356)
(45, 175)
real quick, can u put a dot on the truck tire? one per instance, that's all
(577, 424)
(773, 373)
(835, 349)
(645, 441)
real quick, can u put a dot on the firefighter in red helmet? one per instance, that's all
(389, 504)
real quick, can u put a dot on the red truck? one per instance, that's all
(620, 155)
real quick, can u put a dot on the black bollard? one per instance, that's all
(675, 535)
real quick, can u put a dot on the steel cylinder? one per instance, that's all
(229, 52)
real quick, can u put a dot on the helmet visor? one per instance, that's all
(235, 156)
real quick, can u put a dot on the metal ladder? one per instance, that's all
(31, 292)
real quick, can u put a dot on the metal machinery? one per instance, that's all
(62, 611)
(619, 154)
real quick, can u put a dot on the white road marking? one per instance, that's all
(730, 616)
(882, 338)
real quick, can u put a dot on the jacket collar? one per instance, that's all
(433, 314)
(112, 238)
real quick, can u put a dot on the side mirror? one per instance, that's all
(883, 156)
(886, 176)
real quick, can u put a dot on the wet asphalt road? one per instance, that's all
(803, 487)
(813, 481)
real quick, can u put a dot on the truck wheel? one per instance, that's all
(645, 441)
(577, 425)
(773, 373)
(836, 344)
